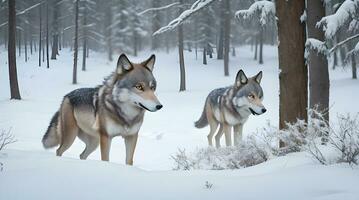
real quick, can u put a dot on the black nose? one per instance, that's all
(264, 110)
(159, 107)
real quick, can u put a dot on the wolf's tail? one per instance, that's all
(202, 121)
(52, 137)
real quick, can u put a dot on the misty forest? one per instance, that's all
(214, 98)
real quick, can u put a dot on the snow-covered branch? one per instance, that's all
(158, 8)
(264, 9)
(316, 45)
(196, 6)
(340, 44)
(332, 23)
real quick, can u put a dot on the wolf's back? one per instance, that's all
(52, 137)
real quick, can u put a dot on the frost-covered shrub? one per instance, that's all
(345, 139)
(312, 137)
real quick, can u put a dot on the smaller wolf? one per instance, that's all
(230, 107)
(115, 108)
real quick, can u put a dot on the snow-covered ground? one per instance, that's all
(30, 172)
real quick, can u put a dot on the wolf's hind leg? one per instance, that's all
(219, 135)
(69, 127)
(213, 125)
(91, 142)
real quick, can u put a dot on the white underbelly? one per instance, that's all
(116, 129)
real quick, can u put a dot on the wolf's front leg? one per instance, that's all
(237, 135)
(105, 144)
(130, 143)
(227, 134)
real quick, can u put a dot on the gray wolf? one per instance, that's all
(115, 108)
(230, 107)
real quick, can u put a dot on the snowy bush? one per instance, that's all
(345, 139)
(311, 137)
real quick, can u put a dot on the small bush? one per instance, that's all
(312, 137)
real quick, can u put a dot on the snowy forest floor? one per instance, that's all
(31, 172)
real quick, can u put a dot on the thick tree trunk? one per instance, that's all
(14, 87)
(74, 72)
(293, 75)
(227, 31)
(318, 64)
(181, 56)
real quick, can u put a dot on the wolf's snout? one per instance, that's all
(158, 107)
(264, 110)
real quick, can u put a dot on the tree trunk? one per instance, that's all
(155, 26)
(318, 64)
(84, 39)
(74, 72)
(221, 33)
(204, 56)
(261, 45)
(108, 31)
(25, 42)
(256, 47)
(293, 75)
(55, 32)
(181, 56)
(14, 87)
(47, 35)
(354, 67)
(227, 31)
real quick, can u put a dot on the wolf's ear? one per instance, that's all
(241, 78)
(258, 77)
(123, 64)
(149, 63)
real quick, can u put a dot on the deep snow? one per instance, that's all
(33, 173)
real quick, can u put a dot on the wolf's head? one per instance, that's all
(135, 84)
(249, 93)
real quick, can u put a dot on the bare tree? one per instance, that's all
(293, 76)
(14, 87)
(47, 35)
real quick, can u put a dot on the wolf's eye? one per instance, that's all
(139, 87)
(251, 96)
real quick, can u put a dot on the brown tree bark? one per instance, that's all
(74, 71)
(293, 76)
(227, 31)
(14, 86)
(318, 64)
